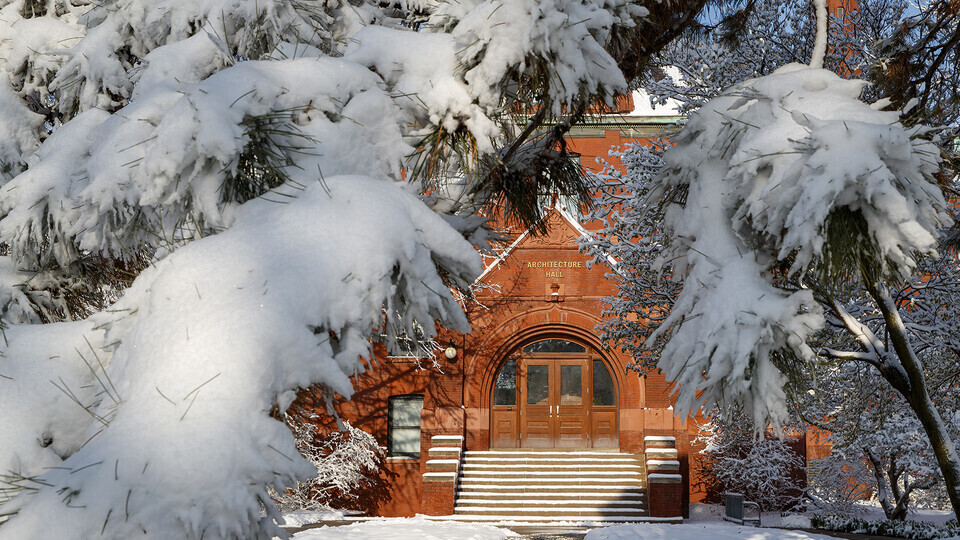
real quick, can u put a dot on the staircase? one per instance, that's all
(547, 486)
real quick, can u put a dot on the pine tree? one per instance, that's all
(223, 201)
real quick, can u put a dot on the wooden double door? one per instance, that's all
(554, 411)
(554, 401)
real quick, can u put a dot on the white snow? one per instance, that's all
(705, 522)
(650, 531)
(663, 476)
(435, 474)
(644, 108)
(406, 529)
(203, 347)
(299, 519)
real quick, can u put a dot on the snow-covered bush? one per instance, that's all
(762, 467)
(915, 530)
(350, 474)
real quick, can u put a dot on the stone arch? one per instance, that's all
(490, 352)
(533, 325)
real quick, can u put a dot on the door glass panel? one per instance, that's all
(505, 391)
(603, 393)
(538, 388)
(554, 346)
(571, 385)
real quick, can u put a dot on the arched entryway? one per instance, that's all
(554, 393)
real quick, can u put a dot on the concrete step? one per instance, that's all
(541, 485)
(660, 453)
(609, 495)
(546, 519)
(579, 502)
(547, 454)
(580, 465)
(602, 482)
(545, 489)
(551, 473)
(558, 513)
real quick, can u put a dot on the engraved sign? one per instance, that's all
(554, 269)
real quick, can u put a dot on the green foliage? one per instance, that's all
(272, 141)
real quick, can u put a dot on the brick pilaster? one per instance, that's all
(442, 473)
(665, 485)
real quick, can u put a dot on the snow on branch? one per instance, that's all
(787, 175)
(208, 341)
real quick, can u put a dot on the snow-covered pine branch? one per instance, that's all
(788, 174)
(249, 154)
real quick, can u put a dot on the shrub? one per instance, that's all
(919, 530)
(763, 467)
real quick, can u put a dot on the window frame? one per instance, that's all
(392, 428)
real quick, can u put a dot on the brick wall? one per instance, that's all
(666, 498)
(438, 497)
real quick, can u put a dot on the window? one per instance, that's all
(505, 390)
(554, 346)
(403, 430)
(603, 392)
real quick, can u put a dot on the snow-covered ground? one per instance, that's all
(698, 531)
(705, 522)
(406, 529)
(422, 529)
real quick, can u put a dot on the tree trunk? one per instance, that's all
(917, 395)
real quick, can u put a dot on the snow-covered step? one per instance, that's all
(443, 464)
(546, 466)
(551, 478)
(555, 456)
(547, 503)
(659, 442)
(580, 483)
(548, 472)
(447, 440)
(663, 465)
(559, 513)
(660, 453)
(522, 518)
(558, 485)
(539, 495)
(444, 452)
(564, 489)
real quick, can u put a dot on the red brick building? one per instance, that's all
(533, 376)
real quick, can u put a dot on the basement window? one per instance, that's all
(403, 428)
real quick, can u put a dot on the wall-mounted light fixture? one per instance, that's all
(451, 352)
